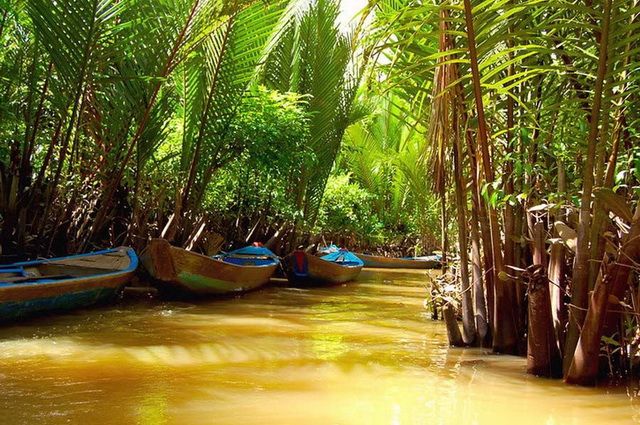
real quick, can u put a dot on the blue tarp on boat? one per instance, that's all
(343, 257)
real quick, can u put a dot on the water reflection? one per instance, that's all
(363, 353)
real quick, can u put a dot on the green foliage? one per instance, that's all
(315, 58)
(346, 212)
(384, 155)
(272, 129)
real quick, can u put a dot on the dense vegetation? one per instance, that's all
(514, 122)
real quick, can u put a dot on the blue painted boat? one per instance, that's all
(303, 268)
(64, 283)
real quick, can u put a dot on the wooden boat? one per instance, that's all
(189, 273)
(376, 261)
(64, 283)
(306, 269)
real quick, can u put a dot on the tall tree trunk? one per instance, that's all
(504, 326)
(479, 297)
(444, 237)
(557, 287)
(468, 324)
(484, 299)
(580, 285)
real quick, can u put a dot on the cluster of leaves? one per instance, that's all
(273, 129)
(347, 213)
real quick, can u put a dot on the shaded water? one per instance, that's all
(362, 353)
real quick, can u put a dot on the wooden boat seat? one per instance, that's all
(111, 261)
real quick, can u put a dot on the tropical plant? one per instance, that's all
(512, 90)
(316, 59)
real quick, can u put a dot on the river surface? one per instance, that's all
(362, 353)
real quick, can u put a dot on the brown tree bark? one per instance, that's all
(453, 331)
(557, 286)
(543, 358)
(584, 365)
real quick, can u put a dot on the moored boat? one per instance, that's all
(64, 283)
(338, 267)
(189, 273)
(376, 261)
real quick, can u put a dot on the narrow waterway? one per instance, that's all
(362, 353)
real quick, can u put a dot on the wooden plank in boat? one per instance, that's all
(111, 261)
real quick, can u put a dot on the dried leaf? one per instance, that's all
(610, 247)
(541, 207)
(613, 300)
(517, 269)
(613, 203)
(616, 301)
(568, 235)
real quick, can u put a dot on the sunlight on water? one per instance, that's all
(361, 353)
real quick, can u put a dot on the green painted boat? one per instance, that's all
(188, 273)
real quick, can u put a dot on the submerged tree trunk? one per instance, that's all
(584, 366)
(543, 358)
(453, 331)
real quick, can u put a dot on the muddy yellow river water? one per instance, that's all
(362, 353)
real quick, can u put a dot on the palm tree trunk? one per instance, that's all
(584, 365)
(469, 333)
(504, 326)
(581, 264)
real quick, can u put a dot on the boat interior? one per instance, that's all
(247, 260)
(42, 271)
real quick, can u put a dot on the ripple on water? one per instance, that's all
(361, 353)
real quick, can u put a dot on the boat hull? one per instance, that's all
(319, 271)
(375, 261)
(20, 300)
(188, 273)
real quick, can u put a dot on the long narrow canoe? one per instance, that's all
(64, 283)
(306, 269)
(189, 273)
(430, 262)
